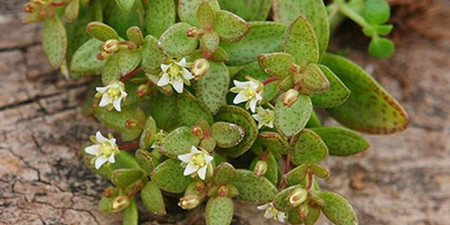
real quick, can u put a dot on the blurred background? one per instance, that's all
(403, 178)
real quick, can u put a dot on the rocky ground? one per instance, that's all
(403, 179)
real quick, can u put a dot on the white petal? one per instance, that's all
(270, 124)
(254, 85)
(165, 67)
(187, 75)
(105, 100)
(185, 157)
(182, 62)
(164, 80)
(194, 149)
(253, 105)
(100, 161)
(240, 98)
(116, 104)
(92, 150)
(269, 214)
(257, 117)
(259, 96)
(263, 207)
(202, 172)
(112, 141)
(178, 85)
(190, 169)
(113, 85)
(260, 125)
(123, 93)
(240, 84)
(281, 217)
(208, 158)
(112, 159)
(100, 137)
(101, 89)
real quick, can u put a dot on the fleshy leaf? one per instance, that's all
(341, 141)
(224, 173)
(337, 209)
(125, 4)
(131, 214)
(314, 79)
(313, 215)
(220, 55)
(226, 134)
(117, 120)
(71, 11)
(125, 160)
(264, 37)
(274, 141)
(272, 167)
(190, 110)
(187, 10)
(206, 15)
(301, 42)
(104, 205)
(281, 201)
(178, 142)
(289, 121)
(376, 11)
(145, 160)
(381, 47)
(308, 147)
(319, 171)
(101, 31)
(219, 211)
(175, 42)
(152, 198)
(134, 34)
(128, 61)
(253, 188)
(159, 16)
(169, 176)
(148, 133)
(231, 28)
(54, 41)
(369, 108)
(152, 55)
(336, 95)
(84, 60)
(250, 10)
(124, 177)
(242, 118)
(297, 175)
(111, 70)
(277, 64)
(210, 41)
(120, 19)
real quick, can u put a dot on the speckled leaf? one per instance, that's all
(101, 31)
(242, 118)
(130, 214)
(313, 215)
(308, 147)
(71, 11)
(289, 121)
(152, 198)
(190, 111)
(134, 34)
(178, 142)
(148, 133)
(169, 176)
(104, 205)
(231, 28)
(125, 4)
(277, 64)
(272, 167)
(297, 175)
(145, 160)
(281, 201)
(84, 60)
(120, 19)
(336, 95)
(128, 61)
(187, 10)
(337, 209)
(124, 177)
(250, 10)
(117, 120)
(226, 134)
(369, 108)
(274, 141)
(301, 42)
(220, 55)
(159, 16)
(253, 188)
(219, 211)
(224, 173)
(264, 37)
(341, 141)
(54, 41)
(152, 55)
(314, 79)
(210, 41)
(175, 42)
(111, 70)
(125, 160)
(319, 170)
(205, 15)
(286, 11)
(212, 88)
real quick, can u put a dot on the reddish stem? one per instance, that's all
(203, 195)
(269, 80)
(58, 4)
(287, 166)
(129, 146)
(131, 74)
(310, 180)
(297, 86)
(264, 155)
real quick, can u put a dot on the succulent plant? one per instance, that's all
(212, 108)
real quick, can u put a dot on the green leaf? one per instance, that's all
(148, 133)
(84, 60)
(111, 70)
(314, 120)
(381, 47)
(231, 28)
(226, 134)
(301, 42)
(376, 11)
(219, 211)
(178, 142)
(272, 167)
(274, 141)
(341, 141)
(101, 31)
(134, 34)
(104, 205)
(212, 88)
(71, 11)
(152, 55)
(169, 176)
(124, 177)
(220, 55)
(319, 171)
(369, 108)
(131, 214)
(54, 41)
(190, 110)
(125, 4)
(286, 11)
(125, 160)
(277, 64)
(336, 95)
(281, 201)
(314, 79)
(242, 118)
(175, 42)
(297, 175)
(120, 19)
(253, 188)
(308, 147)
(187, 10)
(264, 37)
(384, 29)
(128, 61)
(337, 209)
(145, 160)
(206, 15)
(152, 198)
(117, 120)
(224, 173)
(210, 41)
(313, 215)
(160, 15)
(289, 121)
(250, 10)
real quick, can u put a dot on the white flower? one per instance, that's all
(159, 137)
(104, 149)
(250, 91)
(175, 74)
(272, 213)
(196, 161)
(112, 95)
(264, 117)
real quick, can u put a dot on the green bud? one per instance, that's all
(290, 97)
(223, 191)
(143, 90)
(303, 211)
(197, 131)
(110, 192)
(297, 197)
(110, 46)
(260, 168)
(189, 201)
(119, 203)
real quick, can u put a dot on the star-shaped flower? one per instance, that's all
(112, 95)
(103, 150)
(196, 162)
(175, 74)
(264, 117)
(272, 213)
(250, 91)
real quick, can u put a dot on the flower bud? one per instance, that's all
(260, 168)
(102, 55)
(290, 97)
(303, 211)
(223, 191)
(200, 68)
(143, 90)
(189, 201)
(297, 197)
(199, 186)
(197, 131)
(42, 2)
(109, 192)
(110, 46)
(28, 8)
(194, 32)
(119, 203)
(131, 123)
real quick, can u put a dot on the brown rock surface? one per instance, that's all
(403, 179)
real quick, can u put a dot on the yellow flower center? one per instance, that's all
(247, 90)
(174, 70)
(269, 211)
(199, 160)
(114, 92)
(106, 150)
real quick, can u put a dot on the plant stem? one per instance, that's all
(351, 13)
(270, 80)
(309, 181)
(131, 74)
(287, 166)
(129, 146)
